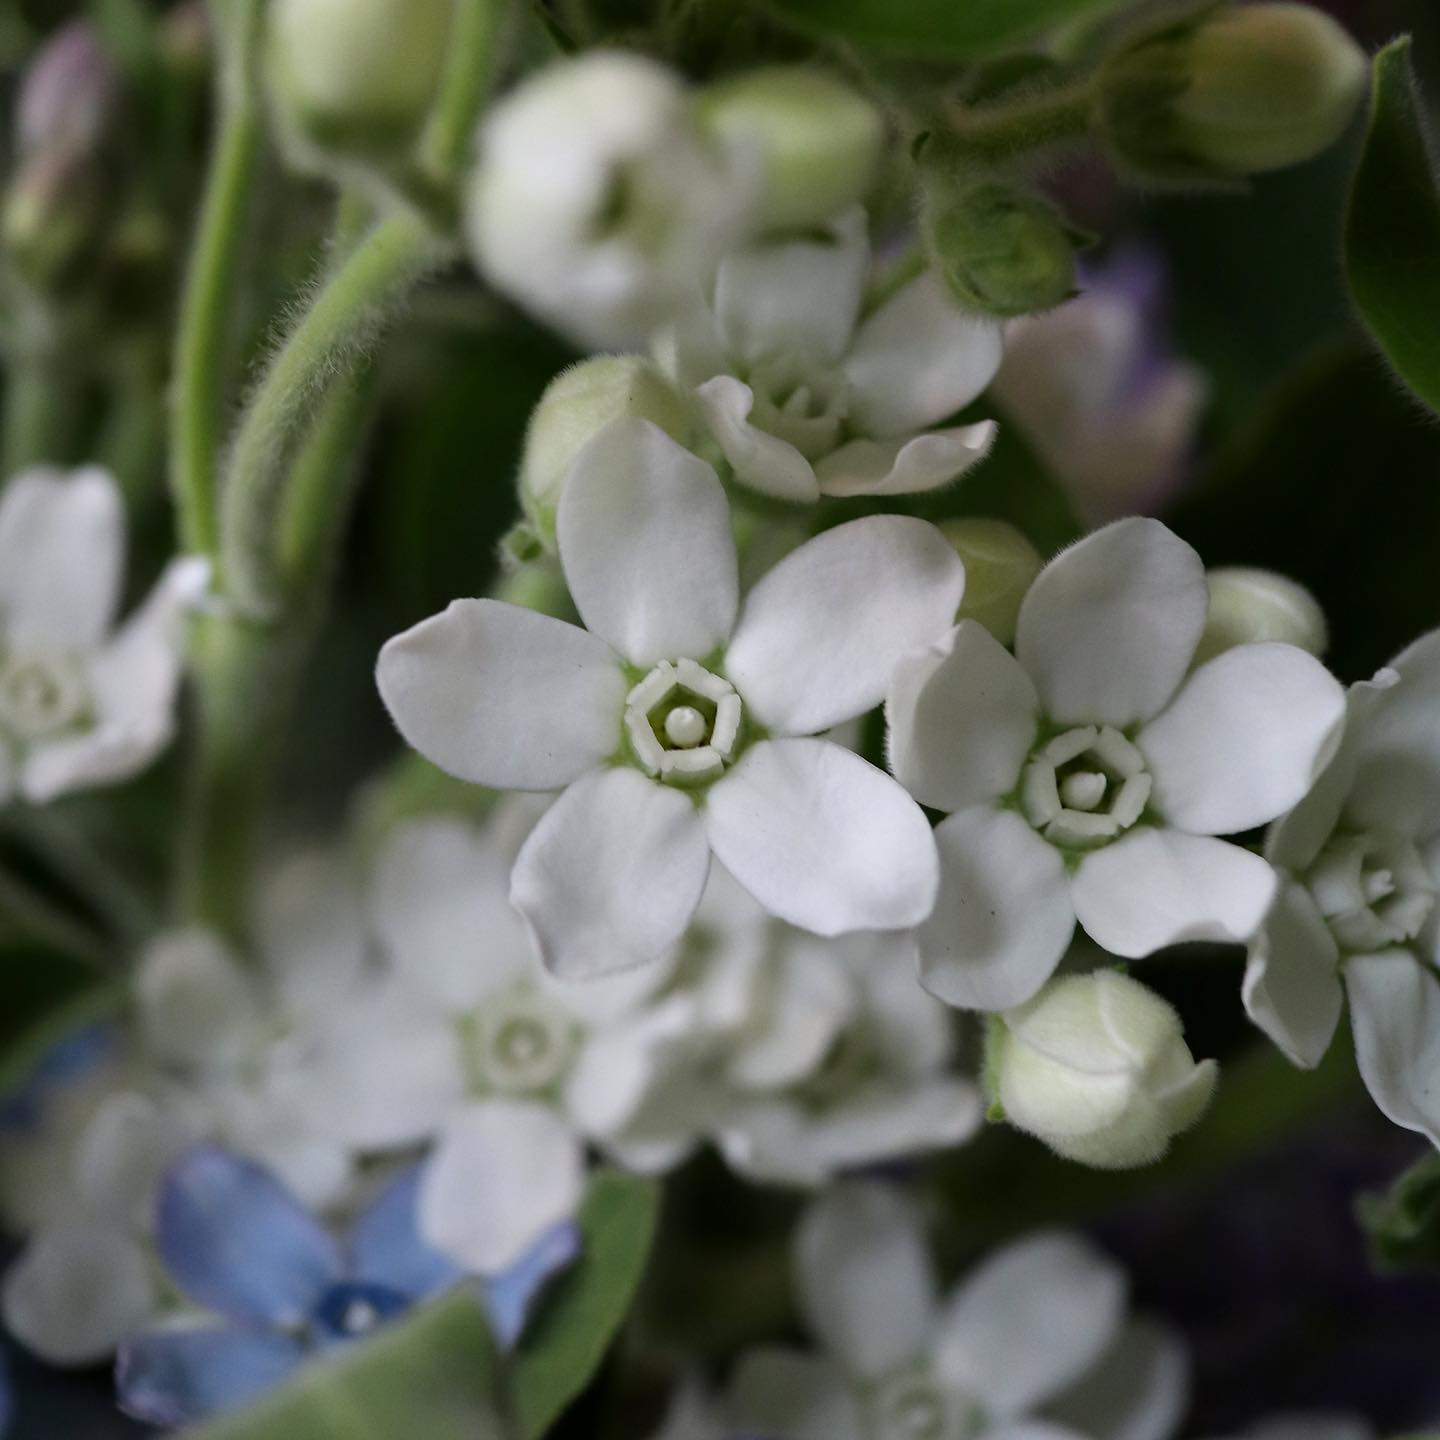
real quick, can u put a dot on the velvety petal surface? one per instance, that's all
(760, 460)
(1395, 1014)
(1292, 988)
(907, 466)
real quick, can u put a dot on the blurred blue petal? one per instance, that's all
(511, 1297)
(386, 1247)
(237, 1241)
(353, 1309)
(67, 1060)
(171, 1377)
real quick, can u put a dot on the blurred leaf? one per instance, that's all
(44, 995)
(1334, 484)
(1392, 232)
(938, 29)
(564, 1347)
(431, 1376)
(1403, 1223)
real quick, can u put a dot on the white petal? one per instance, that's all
(759, 459)
(1004, 915)
(1153, 888)
(1139, 1390)
(784, 1395)
(62, 555)
(441, 907)
(795, 297)
(1292, 985)
(611, 875)
(121, 1154)
(918, 359)
(961, 716)
(863, 1277)
(76, 1291)
(821, 633)
(1108, 628)
(907, 466)
(1395, 1014)
(644, 534)
(503, 696)
(1244, 739)
(197, 1006)
(823, 839)
(1032, 1319)
(503, 1172)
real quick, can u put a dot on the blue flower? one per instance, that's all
(238, 1243)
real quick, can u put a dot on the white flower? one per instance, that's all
(1096, 1066)
(1357, 913)
(1037, 1330)
(597, 202)
(464, 1039)
(807, 396)
(81, 703)
(1089, 776)
(678, 720)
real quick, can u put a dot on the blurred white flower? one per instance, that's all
(598, 203)
(1089, 777)
(807, 396)
(1097, 1067)
(1031, 1343)
(82, 703)
(1357, 913)
(679, 722)
(1090, 388)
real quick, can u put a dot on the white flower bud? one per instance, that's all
(358, 72)
(597, 203)
(1096, 1066)
(577, 404)
(1248, 605)
(816, 140)
(1000, 563)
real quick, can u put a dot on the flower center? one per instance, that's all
(1085, 786)
(353, 1308)
(1373, 889)
(683, 722)
(805, 405)
(41, 695)
(911, 1406)
(521, 1042)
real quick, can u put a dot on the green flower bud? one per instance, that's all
(1252, 605)
(576, 406)
(1250, 89)
(816, 140)
(1000, 564)
(357, 74)
(1000, 249)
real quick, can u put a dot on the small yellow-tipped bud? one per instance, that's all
(1249, 89)
(1000, 564)
(576, 406)
(1250, 605)
(817, 141)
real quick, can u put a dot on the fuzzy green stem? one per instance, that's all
(207, 301)
(445, 143)
(350, 310)
(992, 133)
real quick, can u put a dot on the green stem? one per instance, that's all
(445, 143)
(27, 912)
(207, 302)
(351, 309)
(42, 413)
(996, 132)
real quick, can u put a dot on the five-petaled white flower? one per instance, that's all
(681, 720)
(1089, 777)
(1359, 908)
(808, 396)
(1033, 1343)
(81, 704)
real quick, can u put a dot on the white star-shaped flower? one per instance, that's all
(81, 702)
(808, 396)
(680, 721)
(1088, 775)
(1359, 909)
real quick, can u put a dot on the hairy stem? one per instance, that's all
(1003, 130)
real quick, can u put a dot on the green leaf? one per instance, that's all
(1403, 1223)
(44, 995)
(938, 29)
(433, 1376)
(1392, 230)
(564, 1347)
